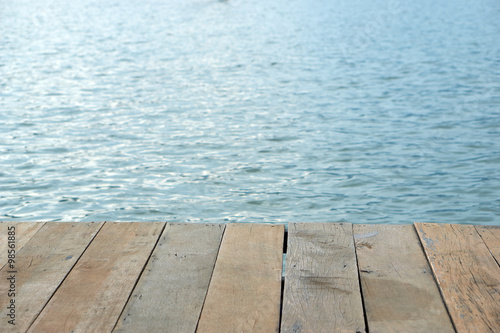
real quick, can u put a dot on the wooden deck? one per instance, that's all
(171, 277)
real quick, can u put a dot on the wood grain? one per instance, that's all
(170, 294)
(467, 274)
(244, 294)
(399, 290)
(491, 237)
(23, 233)
(322, 292)
(41, 266)
(96, 290)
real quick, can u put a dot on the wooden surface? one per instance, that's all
(41, 266)
(23, 233)
(321, 283)
(172, 277)
(491, 237)
(172, 289)
(96, 290)
(399, 291)
(467, 273)
(244, 294)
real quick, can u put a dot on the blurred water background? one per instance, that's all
(362, 111)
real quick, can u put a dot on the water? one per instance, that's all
(250, 111)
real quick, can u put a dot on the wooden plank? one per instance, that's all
(322, 292)
(41, 266)
(244, 294)
(467, 274)
(399, 290)
(491, 237)
(170, 294)
(97, 288)
(23, 233)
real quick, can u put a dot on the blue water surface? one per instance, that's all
(363, 111)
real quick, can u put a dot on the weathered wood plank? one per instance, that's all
(244, 294)
(41, 265)
(23, 233)
(399, 290)
(170, 294)
(491, 237)
(322, 292)
(97, 288)
(467, 274)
